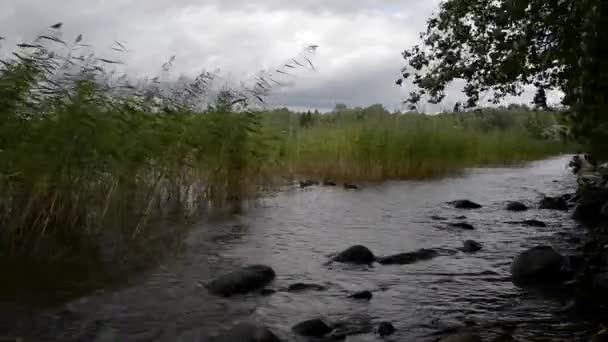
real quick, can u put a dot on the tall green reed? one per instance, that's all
(90, 159)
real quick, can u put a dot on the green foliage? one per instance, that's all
(87, 158)
(498, 46)
(371, 145)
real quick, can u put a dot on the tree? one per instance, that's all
(340, 107)
(540, 99)
(376, 110)
(306, 119)
(457, 107)
(499, 46)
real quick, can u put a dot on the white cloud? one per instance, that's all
(357, 62)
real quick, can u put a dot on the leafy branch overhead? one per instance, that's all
(499, 46)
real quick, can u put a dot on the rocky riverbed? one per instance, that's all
(493, 254)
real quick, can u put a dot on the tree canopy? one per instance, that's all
(499, 46)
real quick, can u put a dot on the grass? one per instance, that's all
(90, 163)
(407, 146)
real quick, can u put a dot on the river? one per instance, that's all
(295, 230)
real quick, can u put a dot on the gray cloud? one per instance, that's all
(357, 62)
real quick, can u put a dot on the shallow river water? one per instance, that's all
(295, 230)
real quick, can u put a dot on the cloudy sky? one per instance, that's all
(357, 61)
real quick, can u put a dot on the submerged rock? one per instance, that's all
(328, 182)
(470, 246)
(462, 338)
(516, 206)
(351, 186)
(307, 183)
(385, 329)
(247, 332)
(367, 295)
(529, 223)
(297, 287)
(351, 326)
(355, 255)
(243, 280)
(462, 225)
(267, 292)
(537, 265)
(408, 258)
(438, 218)
(534, 223)
(554, 203)
(312, 328)
(465, 204)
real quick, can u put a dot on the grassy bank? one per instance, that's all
(90, 163)
(359, 145)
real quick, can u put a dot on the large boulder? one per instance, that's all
(312, 328)
(385, 329)
(355, 255)
(590, 205)
(465, 204)
(461, 338)
(409, 258)
(554, 203)
(537, 265)
(589, 212)
(516, 206)
(243, 280)
(247, 332)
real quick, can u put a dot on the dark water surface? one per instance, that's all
(294, 231)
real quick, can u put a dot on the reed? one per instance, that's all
(354, 147)
(90, 162)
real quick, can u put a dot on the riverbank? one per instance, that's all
(590, 282)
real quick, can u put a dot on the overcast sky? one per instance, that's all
(357, 61)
